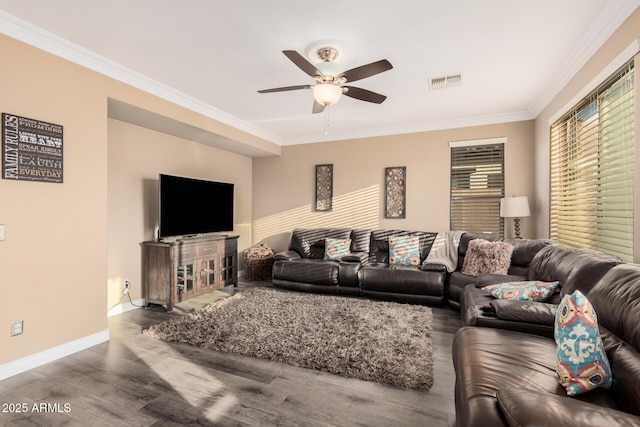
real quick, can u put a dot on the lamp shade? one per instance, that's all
(514, 207)
(327, 93)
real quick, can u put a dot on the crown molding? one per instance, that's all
(37, 37)
(614, 16)
(627, 54)
(516, 116)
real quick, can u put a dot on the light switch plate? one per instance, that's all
(2, 232)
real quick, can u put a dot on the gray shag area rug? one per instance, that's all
(379, 341)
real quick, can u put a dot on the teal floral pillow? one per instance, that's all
(404, 250)
(582, 362)
(335, 249)
(532, 290)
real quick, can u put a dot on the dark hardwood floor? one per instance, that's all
(134, 380)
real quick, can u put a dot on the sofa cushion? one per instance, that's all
(523, 252)
(404, 250)
(527, 312)
(488, 359)
(335, 249)
(616, 299)
(309, 243)
(530, 290)
(575, 269)
(360, 240)
(379, 243)
(522, 407)
(582, 363)
(314, 272)
(401, 280)
(484, 257)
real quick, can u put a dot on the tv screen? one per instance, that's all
(191, 206)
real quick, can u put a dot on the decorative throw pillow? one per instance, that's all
(582, 362)
(404, 250)
(335, 249)
(485, 257)
(532, 290)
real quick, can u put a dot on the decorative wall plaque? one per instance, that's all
(395, 192)
(31, 149)
(324, 187)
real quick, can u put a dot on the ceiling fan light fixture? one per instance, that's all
(327, 93)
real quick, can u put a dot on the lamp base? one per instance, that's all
(516, 223)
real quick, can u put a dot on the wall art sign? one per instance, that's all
(324, 187)
(395, 192)
(31, 149)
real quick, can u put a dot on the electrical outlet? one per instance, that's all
(3, 231)
(17, 327)
(126, 285)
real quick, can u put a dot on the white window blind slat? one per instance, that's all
(592, 168)
(477, 185)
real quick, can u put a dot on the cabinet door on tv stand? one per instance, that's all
(229, 263)
(186, 280)
(207, 279)
(228, 270)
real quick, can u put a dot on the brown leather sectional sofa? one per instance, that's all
(505, 355)
(365, 271)
(506, 377)
(523, 252)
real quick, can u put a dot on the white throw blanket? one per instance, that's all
(445, 250)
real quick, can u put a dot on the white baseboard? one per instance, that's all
(26, 363)
(128, 306)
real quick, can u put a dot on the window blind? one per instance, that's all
(477, 185)
(592, 169)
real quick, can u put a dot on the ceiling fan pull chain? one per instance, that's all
(326, 119)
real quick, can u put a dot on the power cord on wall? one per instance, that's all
(126, 292)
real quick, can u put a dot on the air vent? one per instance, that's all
(445, 81)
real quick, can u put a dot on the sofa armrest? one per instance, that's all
(431, 266)
(287, 256)
(360, 257)
(524, 311)
(524, 407)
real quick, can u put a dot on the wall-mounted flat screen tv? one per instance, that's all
(189, 206)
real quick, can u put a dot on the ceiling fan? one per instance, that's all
(329, 78)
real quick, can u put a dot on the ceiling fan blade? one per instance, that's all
(302, 63)
(365, 71)
(317, 107)
(285, 88)
(364, 95)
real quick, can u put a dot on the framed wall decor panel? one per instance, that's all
(395, 200)
(31, 149)
(324, 187)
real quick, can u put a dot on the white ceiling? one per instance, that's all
(214, 55)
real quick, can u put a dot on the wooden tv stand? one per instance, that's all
(174, 271)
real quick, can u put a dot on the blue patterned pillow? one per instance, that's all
(335, 249)
(582, 362)
(404, 250)
(532, 290)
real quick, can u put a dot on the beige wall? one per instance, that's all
(136, 157)
(284, 186)
(54, 260)
(54, 263)
(585, 79)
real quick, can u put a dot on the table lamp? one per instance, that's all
(515, 207)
